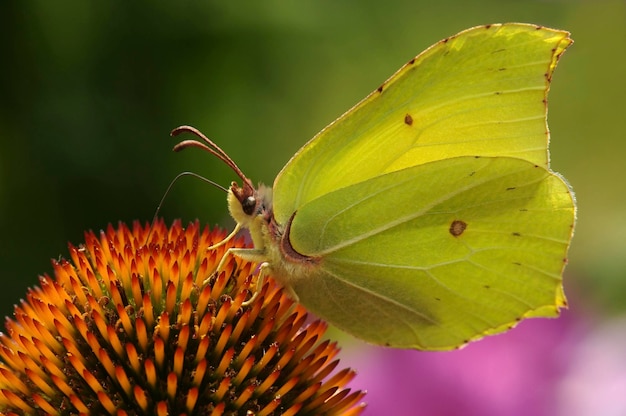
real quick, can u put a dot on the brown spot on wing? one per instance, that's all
(457, 227)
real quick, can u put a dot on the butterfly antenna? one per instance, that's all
(215, 150)
(210, 147)
(169, 188)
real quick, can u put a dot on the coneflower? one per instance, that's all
(129, 328)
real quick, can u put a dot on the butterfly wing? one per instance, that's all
(481, 92)
(438, 254)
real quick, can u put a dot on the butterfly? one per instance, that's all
(427, 215)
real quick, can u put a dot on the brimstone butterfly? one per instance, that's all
(426, 216)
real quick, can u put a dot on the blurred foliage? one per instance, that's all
(90, 91)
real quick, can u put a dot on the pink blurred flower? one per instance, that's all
(596, 382)
(516, 373)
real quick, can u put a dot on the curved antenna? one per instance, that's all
(169, 188)
(210, 147)
(247, 190)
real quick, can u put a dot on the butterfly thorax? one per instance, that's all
(252, 209)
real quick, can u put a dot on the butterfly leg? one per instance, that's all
(257, 256)
(260, 281)
(248, 254)
(225, 256)
(253, 255)
(264, 271)
(227, 239)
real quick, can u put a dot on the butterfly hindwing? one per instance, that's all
(406, 266)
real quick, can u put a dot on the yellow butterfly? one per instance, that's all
(426, 216)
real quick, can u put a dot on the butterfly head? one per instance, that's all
(242, 202)
(251, 208)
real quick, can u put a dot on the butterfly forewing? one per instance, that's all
(479, 93)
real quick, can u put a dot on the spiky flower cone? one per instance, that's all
(127, 328)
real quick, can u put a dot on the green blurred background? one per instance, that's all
(91, 90)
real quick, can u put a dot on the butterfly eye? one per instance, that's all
(248, 205)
